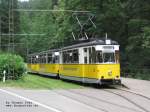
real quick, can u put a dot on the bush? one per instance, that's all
(13, 65)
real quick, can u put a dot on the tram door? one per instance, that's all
(84, 55)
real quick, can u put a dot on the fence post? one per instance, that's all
(4, 77)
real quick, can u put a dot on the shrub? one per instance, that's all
(13, 65)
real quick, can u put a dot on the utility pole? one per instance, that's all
(11, 27)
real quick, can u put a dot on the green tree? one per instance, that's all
(6, 17)
(126, 21)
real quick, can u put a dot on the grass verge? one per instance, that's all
(36, 82)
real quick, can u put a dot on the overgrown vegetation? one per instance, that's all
(9, 24)
(126, 21)
(37, 82)
(13, 65)
(136, 73)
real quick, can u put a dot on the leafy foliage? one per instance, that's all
(13, 65)
(5, 18)
(126, 21)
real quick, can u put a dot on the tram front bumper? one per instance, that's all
(110, 82)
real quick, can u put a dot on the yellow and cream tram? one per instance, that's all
(89, 61)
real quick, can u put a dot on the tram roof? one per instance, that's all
(91, 42)
(79, 43)
(39, 53)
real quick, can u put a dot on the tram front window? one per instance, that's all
(99, 56)
(108, 57)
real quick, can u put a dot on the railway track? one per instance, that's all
(138, 94)
(99, 108)
(120, 95)
(128, 99)
(103, 101)
(99, 100)
(80, 101)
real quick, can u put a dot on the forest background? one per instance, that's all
(126, 21)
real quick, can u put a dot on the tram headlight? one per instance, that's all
(117, 77)
(102, 77)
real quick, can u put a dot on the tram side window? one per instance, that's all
(85, 55)
(75, 56)
(92, 55)
(33, 60)
(99, 58)
(43, 58)
(39, 59)
(71, 56)
(49, 58)
(95, 56)
(53, 58)
(66, 57)
(56, 59)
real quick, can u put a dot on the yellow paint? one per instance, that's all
(34, 67)
(108, 71)
(72, 70)
(44, 68)
(49, 68)
(96, 71)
